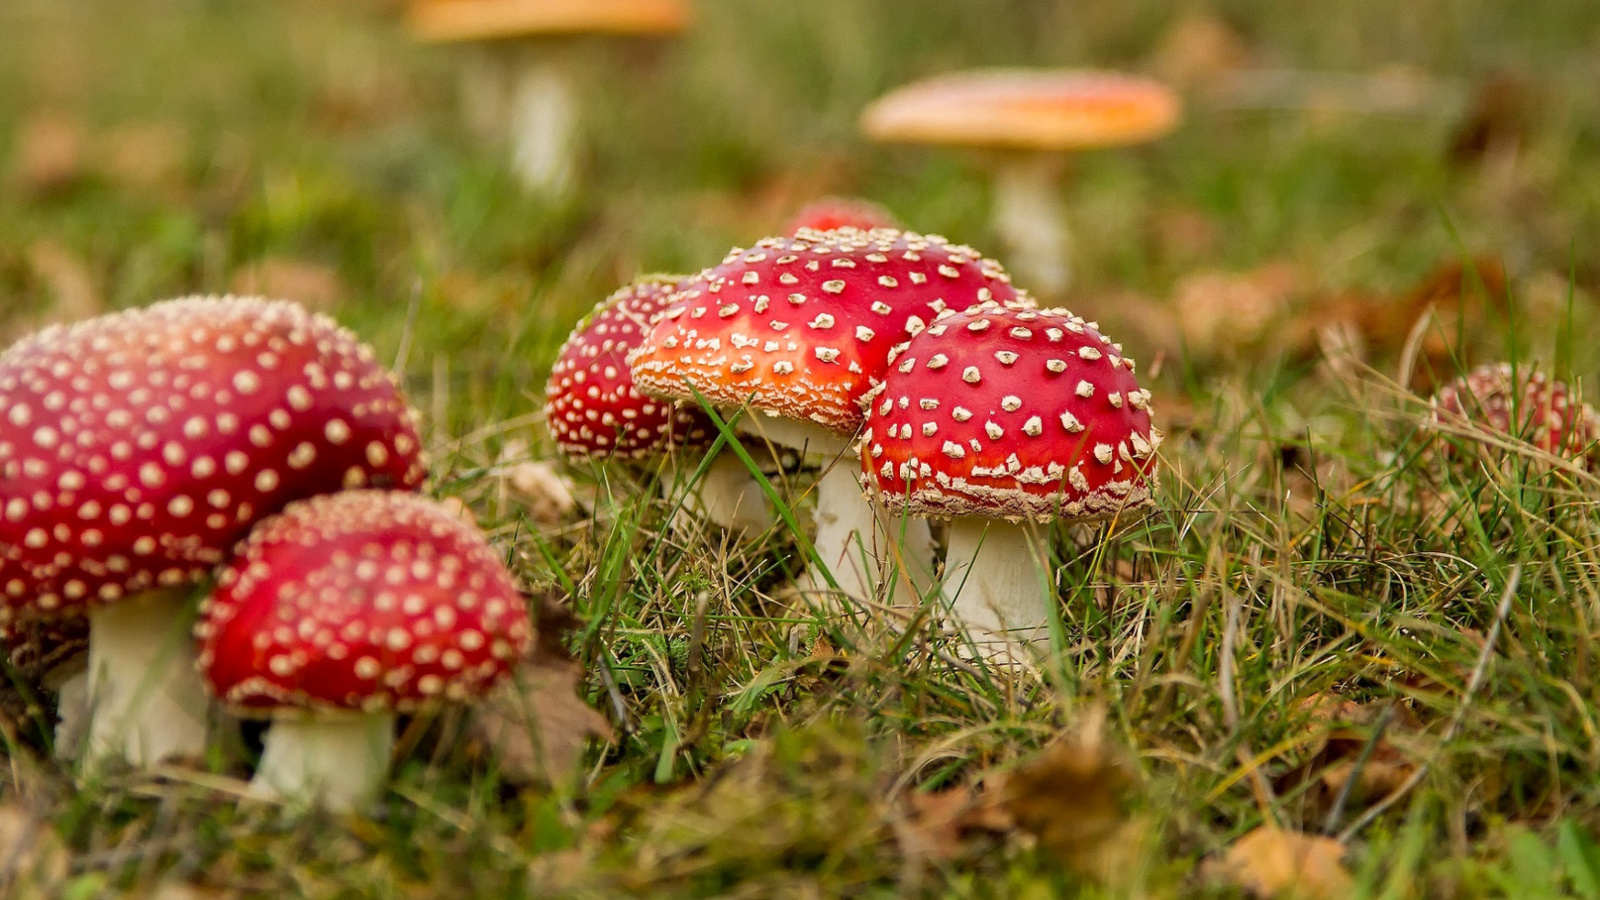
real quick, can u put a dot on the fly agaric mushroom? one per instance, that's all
(595, 412)
(343, 611)
(800, 328)
(1527, 405)
(136, 448)
(1028, 118)
(1000, 420)
(521, 76)
(829, 213)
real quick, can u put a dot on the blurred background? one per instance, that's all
(1340, 166)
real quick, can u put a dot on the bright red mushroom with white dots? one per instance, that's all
(595, 412)
(1497, 399)
(137, 448)
(800, 329)
(1001, 420)
(343, 611)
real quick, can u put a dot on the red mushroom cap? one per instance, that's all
(1548, 415)
(802, 326)
(591, 405)
(136, 448)
(1014, 414)
(362, 600)
(832, 213)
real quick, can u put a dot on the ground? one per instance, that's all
(1338, 622)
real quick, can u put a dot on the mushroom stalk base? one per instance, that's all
(336, 762)
(146, 699)
(1029, 216)
(997, 586)
(727, 496)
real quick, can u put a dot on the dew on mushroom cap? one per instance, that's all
(1023, 414)
(135, 448)
(362, 600)
(592, 406)
(801, 326)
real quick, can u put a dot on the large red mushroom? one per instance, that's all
(1001, 420)
(799, 329)
(137, 448)
(343, 611)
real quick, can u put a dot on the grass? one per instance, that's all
(1313, 539)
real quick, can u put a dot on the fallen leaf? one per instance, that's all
(937, 825)
(536, 723)
(545, 493)
(1073, 798)
(1344, 729)
(1271, 862)
(49, 153)
(1221, 313)
(32, 857)
(309, 284)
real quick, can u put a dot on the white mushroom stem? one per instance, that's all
(728, 495)
(1032, 223)
(146, 699)
(336, 761)
(997, 585)
(853, 538)
(543, 119)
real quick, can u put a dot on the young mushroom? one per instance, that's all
(340, 613)
(523, 64)
(595, 412)
(137, 448)
(1028, 119)
(1497, 399)
(799, 329)
(1002, 420)
(830, 213)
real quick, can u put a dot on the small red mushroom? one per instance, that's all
(343, 611)
(1528, 405)
(800, 329)
(998, 419)
(595, 412)
(136, 448)
(832, 213)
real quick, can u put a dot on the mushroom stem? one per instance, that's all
(70, 681)
(1029, 216)
(727, 495)
(997, 584)
(146, 700)
(543, 118)
(336, 761)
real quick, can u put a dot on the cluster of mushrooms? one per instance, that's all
(254, 456)
(926, 383)
(250, 460)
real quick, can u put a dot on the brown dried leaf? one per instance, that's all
(1343, 730)
(32, 857)
(545, 492)
(1270, 862)
(1221, 312)
(49, 153)
(1073, 797)
(309, 284)
(536, 724)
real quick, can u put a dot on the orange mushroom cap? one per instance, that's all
(1040, 109)
(478, 20)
